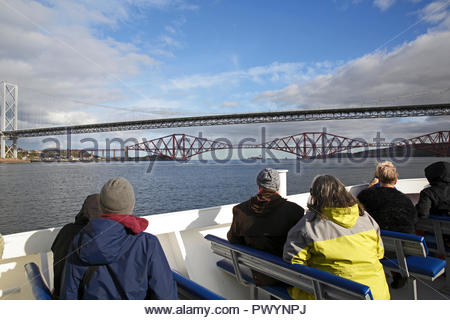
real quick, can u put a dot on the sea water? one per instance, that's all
(43, 195)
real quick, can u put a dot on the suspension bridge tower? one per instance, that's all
(8, 119)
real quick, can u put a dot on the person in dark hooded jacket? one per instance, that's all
(263, 221)
(61, 244)
(435, 199)
(113, 258)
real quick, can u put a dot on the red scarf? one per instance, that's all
(131, 222)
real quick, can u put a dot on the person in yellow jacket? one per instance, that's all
(336, 235)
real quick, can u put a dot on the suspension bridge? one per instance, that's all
(181, 146)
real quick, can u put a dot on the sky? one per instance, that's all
(79, 62)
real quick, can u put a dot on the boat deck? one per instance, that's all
(182, 237)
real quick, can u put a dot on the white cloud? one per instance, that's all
(163, 53)
(170, 29)
(275, 73)
(230, 104)
(168, 41)
(53, 50)
(179, 4)
(435, 12)
(383, 4)
(72, 117)
(415, 72)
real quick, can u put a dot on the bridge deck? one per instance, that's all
(243, 118)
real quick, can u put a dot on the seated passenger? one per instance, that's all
(390, 208)
(113, 258)
(61, 244)
(375, 181)
(436, 198)
(263, 221)
(336, 235)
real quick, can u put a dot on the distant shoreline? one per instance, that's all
(14, 161)
(342, 156)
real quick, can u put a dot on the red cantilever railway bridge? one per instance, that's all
(303, 145)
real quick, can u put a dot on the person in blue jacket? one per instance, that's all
(112, 258)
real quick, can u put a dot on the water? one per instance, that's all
(42, 195)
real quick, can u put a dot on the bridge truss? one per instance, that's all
(437, 142)
(303, 145)
(243, 118)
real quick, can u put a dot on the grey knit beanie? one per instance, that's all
(117, 196)
(268, 179)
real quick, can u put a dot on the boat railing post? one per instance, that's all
(283, 182)
(47, 268)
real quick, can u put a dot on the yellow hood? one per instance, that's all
(345, 217)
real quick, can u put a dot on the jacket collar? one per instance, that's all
(129, 221)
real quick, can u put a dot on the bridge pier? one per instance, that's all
(8, 119)
(2, 146)
(8, 147)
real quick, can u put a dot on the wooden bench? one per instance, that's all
(411, 258)
(322, 284)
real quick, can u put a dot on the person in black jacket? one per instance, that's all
(390, 208)
(263, 221)
(435, 199)
(61, 244)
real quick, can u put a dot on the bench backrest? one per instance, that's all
(323, 284)
(192, 290)
(439, 226)
(404, 243)
(38, 286)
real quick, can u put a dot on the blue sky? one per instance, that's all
(99, 61)
(247, 47)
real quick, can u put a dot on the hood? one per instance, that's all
(131, 222)
(90, 210)
(265, 201)
(345, 217)
(438, 172)
(104, 241)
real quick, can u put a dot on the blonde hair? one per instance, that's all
(382, 165)
(328, 191)
(388, 175)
